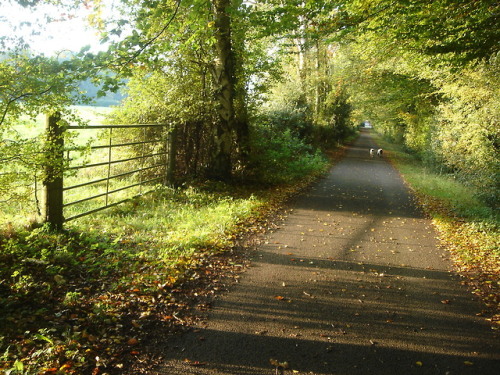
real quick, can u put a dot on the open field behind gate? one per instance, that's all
(104, 165)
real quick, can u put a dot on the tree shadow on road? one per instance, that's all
(340, 318)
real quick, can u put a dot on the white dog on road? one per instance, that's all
(372, 152)
(380, 152)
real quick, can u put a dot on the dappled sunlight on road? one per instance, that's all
(352, 282)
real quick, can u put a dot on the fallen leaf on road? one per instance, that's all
(194, 363)
(281, 298)
(133, 341)
(278, 364)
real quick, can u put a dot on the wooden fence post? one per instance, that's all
(53, 182)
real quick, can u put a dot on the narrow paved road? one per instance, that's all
(354, 282)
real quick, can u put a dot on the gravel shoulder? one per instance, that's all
(353, 281)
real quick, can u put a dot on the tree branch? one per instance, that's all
(19, 97)
(149, 42)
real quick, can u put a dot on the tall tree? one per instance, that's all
(461, 30)
(224, 78)
(162, 26)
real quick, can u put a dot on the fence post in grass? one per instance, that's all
(171, 154)
(54, 165)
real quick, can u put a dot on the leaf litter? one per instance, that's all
(75, 303)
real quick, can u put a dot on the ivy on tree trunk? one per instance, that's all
(224, 79)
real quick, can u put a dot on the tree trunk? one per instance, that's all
(240, 95)
(300, 43)
(242, 131)
(318, 100)
(224, 79)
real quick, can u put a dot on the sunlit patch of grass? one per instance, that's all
(458, 198)
(173, 223)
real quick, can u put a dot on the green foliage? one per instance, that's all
(20, 172)
(280, 155)
(454, 31)
(185, 105)
(30, 86)
(159, 97)
(336, 113)
(100, 99)
(295, 121)
(311, 102)
(178, 44)
(448, 120)
(37, 84)
(469, 133)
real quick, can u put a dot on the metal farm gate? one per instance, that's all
(119, 169)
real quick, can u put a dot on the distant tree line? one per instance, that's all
(93, 90)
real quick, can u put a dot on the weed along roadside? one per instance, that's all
(87, 299)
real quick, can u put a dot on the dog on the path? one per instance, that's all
(380, 152)
(372, 152)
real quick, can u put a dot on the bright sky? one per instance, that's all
(64, 34)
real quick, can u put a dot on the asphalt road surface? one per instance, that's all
(353, 282)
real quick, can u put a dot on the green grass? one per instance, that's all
(460, 199)
(172, 223)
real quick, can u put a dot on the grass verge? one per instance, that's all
(468, 227)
